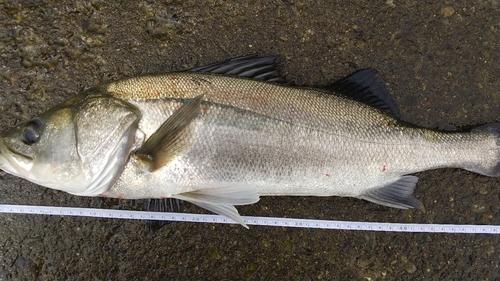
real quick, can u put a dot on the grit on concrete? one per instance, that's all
(440, 60)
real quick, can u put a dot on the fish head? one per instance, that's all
(79, 146)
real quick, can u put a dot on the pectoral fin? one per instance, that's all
(222, 200)
(169, 139)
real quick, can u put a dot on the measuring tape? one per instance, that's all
(264, 221)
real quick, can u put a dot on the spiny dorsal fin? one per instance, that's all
(252, 66)
(168, 140)
(364, 86)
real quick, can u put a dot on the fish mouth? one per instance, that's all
(9, 164)
(2, 154)
(3, 159)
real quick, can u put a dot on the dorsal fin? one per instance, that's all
(364, 86)
(252, 66)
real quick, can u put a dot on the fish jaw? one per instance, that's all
(11, 166)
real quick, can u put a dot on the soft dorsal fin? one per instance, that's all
(364, 86)
(168, 140)
(252, 66)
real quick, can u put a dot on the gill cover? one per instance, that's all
(79, 146)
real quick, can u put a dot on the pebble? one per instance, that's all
(409, 267)
(447, 11)
(21, 261)
(214, 254)
(479, 207)
(490, 250)
(494, 3)
(5, 273)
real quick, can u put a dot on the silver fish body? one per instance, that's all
(286, 141)
(247, 138)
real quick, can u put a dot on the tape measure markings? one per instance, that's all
(250, 220)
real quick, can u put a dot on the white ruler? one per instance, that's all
(265, 221)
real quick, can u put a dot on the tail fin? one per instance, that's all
(488, 138)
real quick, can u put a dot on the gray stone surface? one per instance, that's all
(440, 60)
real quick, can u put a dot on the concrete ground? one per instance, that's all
(439, 59)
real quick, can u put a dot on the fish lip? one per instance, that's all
(8, 164)
(12, 150)
(3, 155)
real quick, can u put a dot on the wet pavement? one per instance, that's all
(439, 59)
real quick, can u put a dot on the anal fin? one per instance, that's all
(222, 200)
(398, 194)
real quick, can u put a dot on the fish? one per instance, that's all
(225, 134)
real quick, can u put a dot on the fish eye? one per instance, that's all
(32, 131)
